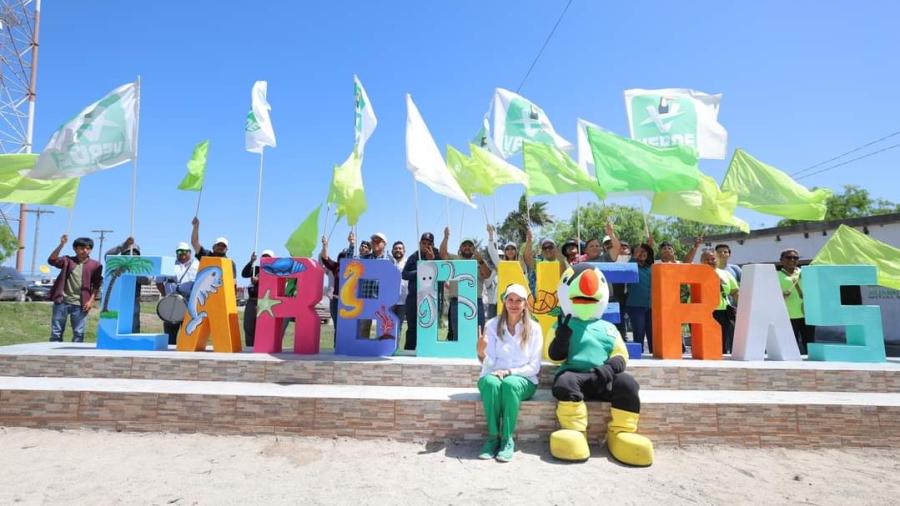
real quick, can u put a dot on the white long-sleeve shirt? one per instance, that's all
(508, 353)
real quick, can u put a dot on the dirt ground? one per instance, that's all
(88, 467)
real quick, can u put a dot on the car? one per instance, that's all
(13, 285)
(38, 291)
(323, 310)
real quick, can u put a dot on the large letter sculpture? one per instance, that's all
(763, 325)
(211, 309)
(119, 283)
(274, 306)
(542, 304)
(669, 313)
(822, 305)
(352, 308)
(464, 273)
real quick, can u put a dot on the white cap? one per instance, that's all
(380, 236)
(267, 252)
(221, 240)
(183, 245)
(516, 289)
(512, 244)
(606, 238)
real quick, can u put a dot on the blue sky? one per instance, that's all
(802, 82)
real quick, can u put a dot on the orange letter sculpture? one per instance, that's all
(669, 313)
(212, 309)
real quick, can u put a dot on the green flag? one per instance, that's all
(15, 187)
(624, 165)
(848, 246)
(346, 192)
(193, 180)
(303, 241)
(706, 204)
(768, 190)
(483, 172)
(551, 172)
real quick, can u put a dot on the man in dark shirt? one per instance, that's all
(426, 251)
(334, 267)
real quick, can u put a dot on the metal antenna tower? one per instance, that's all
(19, 21)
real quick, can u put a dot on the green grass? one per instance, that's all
(29, 322)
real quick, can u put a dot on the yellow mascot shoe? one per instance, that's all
(624, 444)
(570, 442)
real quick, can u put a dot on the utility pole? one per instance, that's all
(37, 227)
(102, 233)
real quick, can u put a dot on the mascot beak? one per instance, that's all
(589, 288)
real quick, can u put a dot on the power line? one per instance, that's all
(546, 41)
(854, 150)
(850, 160)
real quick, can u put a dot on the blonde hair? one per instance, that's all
(526, 323)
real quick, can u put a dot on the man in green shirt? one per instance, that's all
(728, 295)
(789, 279)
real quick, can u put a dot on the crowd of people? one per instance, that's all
(78, 284)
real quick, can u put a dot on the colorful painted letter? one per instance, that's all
(357, 278)
(822, 306)
(762, 324)
(464, 273)
(274, 305)
(211, 309)
(669, 312)
(119, 283)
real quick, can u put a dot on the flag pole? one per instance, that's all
(447, 209)
(197, 211)
(327, 212)
(578, 219)
(134, 165)
(416, 201)
(462, 215)
(258, 199)
(69, 223)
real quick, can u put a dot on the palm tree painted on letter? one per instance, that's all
(118, 265)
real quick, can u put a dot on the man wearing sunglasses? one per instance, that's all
(549, 253)
(789, 278)
(181, 283)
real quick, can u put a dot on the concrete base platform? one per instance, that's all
(789, 404)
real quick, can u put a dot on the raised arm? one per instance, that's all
(53, 259)
(195, 235)
(492, 247)
(689, 256)
(443, 253)
(529, 255)
(616, 244)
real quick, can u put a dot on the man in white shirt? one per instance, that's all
(398, 256)
(181, 283)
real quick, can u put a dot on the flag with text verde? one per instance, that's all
(346, 192)
(552, 172)
(196, 166)
(764, 188)
(849, 246)
(303, 241)
(706, 204)
(17, 188)
(624, 165)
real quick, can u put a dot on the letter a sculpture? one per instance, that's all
(593, 368)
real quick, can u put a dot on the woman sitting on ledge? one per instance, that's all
(510, 351)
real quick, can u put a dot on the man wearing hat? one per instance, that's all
(466, 252)
(181, 283)
(549, 253)
(368, 288)
(219, 249)
(130, 248)
(252, 273)
(426, 251)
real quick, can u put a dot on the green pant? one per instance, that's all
(501, 400)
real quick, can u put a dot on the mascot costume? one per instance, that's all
(593, 357)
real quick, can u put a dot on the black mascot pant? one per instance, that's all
(579, 386)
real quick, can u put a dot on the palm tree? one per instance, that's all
(118, 265)
(516, 224)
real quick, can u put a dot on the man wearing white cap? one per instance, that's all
(181, 283)
(252, 273)
(220, 247)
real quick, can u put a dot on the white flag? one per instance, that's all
(670, 116)
(100, 137)
(516, 119)
(585, 156)
(258, 132)
(423, 158)
(365, 116)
